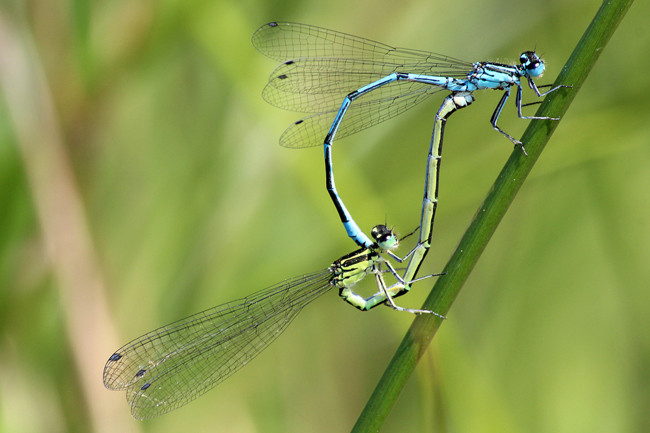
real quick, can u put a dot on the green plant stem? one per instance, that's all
(489, 214)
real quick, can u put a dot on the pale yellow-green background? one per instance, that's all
(181, 199)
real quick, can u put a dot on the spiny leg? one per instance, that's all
(497, 113)
(403, 288)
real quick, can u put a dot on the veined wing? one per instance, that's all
(171, 366)
(326, 65)
(283, 41)
(318, 85)
(361, 114)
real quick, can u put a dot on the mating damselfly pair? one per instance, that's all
(350, 84)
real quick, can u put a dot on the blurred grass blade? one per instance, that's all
(489, 215)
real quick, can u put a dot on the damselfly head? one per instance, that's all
(384, 237)
(532, 64)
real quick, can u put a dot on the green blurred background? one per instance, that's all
(141, 181)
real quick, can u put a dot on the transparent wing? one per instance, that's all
(171, 366)
(323, 66)
(361, 114)
(283, 41)
(319, 85)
